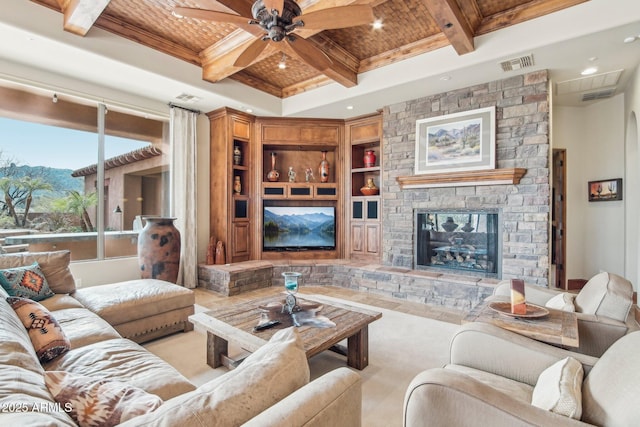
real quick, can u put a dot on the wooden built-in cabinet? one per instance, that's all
(230, 217)
(299, 144)
(236, 218)
(364, 211)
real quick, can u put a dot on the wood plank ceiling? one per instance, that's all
(410, 27)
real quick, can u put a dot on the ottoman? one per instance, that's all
(141, 310)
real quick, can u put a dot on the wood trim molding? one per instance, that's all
(467, 178)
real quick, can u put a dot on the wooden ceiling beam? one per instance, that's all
(449, 17)
(525, 12)
(80, 15)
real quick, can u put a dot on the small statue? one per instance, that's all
(211, 250)
(292, 174)
(308, 175)
(220, 256)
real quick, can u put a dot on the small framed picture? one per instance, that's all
(605, 190)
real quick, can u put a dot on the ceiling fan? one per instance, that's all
(274, 21)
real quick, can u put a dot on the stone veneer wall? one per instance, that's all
(522, 140)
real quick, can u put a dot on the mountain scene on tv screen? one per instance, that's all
(308, 230)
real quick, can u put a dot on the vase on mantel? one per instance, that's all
(273, 174)
(324, 168)
(159, 249)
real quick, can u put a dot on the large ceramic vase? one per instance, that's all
(159, 249)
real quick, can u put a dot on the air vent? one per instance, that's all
(583, 84)
(592, 96)
(187, 99)
(517, 63)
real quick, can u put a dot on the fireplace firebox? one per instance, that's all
(460, 241)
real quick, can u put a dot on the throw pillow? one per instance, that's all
(559, 388)
(563, 301)
(54, 265)
(26, 282)
(98, 402)
(47, 338)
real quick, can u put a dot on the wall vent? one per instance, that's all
(517, 63)
(187, 99)
(592, 96)
(594, 82)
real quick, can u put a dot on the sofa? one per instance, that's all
(87, 369)
(603, 308)
(499, 378)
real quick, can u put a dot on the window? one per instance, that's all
(49, 177)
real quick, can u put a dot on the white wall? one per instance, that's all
(632, 214)
(594, 138)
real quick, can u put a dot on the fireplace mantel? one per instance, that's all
(462, 179)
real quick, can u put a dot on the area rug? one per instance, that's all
(400, 346)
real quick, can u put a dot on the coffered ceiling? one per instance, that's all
(409, 28)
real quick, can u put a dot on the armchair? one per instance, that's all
(491, 377)
(603, 308)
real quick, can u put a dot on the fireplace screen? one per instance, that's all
(462, 241)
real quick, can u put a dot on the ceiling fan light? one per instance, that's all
(283, 62)
(377, 24)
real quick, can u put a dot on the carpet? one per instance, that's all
(400, 346)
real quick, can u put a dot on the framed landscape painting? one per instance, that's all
(605, 190)
(456, 142)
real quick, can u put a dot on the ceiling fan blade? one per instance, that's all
(250, 53)
(274, 4)
(337, 17)
(210, 15)
(309, 53)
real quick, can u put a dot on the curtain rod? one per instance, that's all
(172, 105)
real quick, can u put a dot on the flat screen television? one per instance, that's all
(299, 228)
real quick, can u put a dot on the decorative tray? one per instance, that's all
(504, 308)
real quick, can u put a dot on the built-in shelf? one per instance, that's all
(466, 178)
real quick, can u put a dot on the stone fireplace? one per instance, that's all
(459, 241)
(522, 141)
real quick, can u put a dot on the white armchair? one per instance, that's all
(603, 307)
(493, 374)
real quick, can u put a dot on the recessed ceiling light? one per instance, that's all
(349, 107)
(589, 71)
(249, 110)
(629, 39)
(445, 78)
(377, 24)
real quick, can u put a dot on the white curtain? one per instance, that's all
(183, 190)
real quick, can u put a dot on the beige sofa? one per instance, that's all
(603, 308)
(493, 374)
(270, 387)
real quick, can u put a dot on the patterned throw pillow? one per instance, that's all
(48, 339)
(26, 282)
(98, 402)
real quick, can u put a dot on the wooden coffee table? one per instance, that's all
(234, 323)
(558, 327)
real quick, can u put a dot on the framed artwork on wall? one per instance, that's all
(605, 190)
(456, 142)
